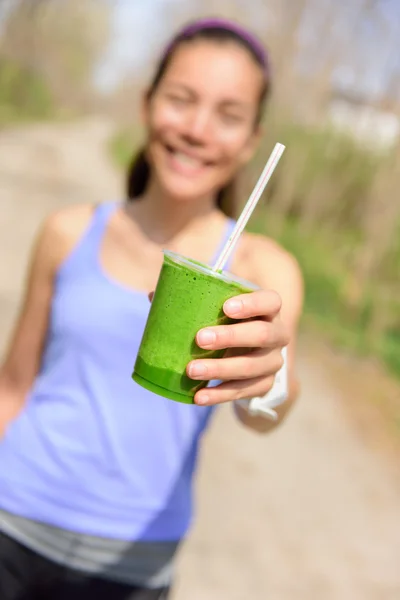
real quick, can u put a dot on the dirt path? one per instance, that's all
(310, 512)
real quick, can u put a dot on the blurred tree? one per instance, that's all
(60, 40)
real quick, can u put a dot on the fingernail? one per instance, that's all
(202, 399)
(197, 370)
(206, 337)
(234, 307)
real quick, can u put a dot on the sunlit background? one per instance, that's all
(312, 512)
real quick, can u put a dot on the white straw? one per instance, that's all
(250, 206)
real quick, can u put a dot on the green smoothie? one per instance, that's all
(188, 297)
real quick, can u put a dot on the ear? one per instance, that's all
(252, 144)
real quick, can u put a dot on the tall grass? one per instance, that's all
(327, 207)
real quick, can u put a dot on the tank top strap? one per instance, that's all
(101, 216)
(85, 254)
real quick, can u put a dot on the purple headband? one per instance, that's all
(211, 23)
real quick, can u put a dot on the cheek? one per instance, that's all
(162, 120)
(234, 147)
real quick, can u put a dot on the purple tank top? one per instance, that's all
(93, 452)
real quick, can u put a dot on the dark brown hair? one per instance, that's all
(216, 30)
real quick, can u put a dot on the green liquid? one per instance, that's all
(186, 299)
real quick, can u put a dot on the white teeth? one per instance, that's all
(188, 160)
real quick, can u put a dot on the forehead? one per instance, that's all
(224, 69)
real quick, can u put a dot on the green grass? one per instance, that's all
(326, 304)
(123, 145)
(24, 95)
(121, 148)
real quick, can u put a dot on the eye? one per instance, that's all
(178, 99)
(232, 118)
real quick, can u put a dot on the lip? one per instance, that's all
(185, 162)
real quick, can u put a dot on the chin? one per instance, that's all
(186, 191)
(184, 197)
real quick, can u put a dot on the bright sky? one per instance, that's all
(139, 27)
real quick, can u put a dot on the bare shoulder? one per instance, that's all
(271, 266)
(62, 229)
(69, 221)
(265, 259)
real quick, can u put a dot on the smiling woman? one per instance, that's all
(206, 113)
(97, 472)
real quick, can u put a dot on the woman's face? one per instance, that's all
(201, 118)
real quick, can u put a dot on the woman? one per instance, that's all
(96, 472)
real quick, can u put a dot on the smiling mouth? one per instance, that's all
(186, 163)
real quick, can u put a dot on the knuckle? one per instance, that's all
(275, 363)
(276, 300)
(266, 385)
(238, 394)
(263, 334)
(228, 336)
(209, 371)
(237, 368)
(245, 367)
(223, 370)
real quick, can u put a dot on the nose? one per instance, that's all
(198, 126)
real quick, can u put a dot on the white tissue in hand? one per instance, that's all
(276, 396)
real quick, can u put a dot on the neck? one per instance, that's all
(162, 218)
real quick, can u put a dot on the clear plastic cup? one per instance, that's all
(189, 296)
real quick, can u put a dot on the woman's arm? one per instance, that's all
(279, 271)
(23, 356)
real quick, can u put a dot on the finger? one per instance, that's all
(262, 303)
(250, 334)
(255, 364)
(234, 390)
